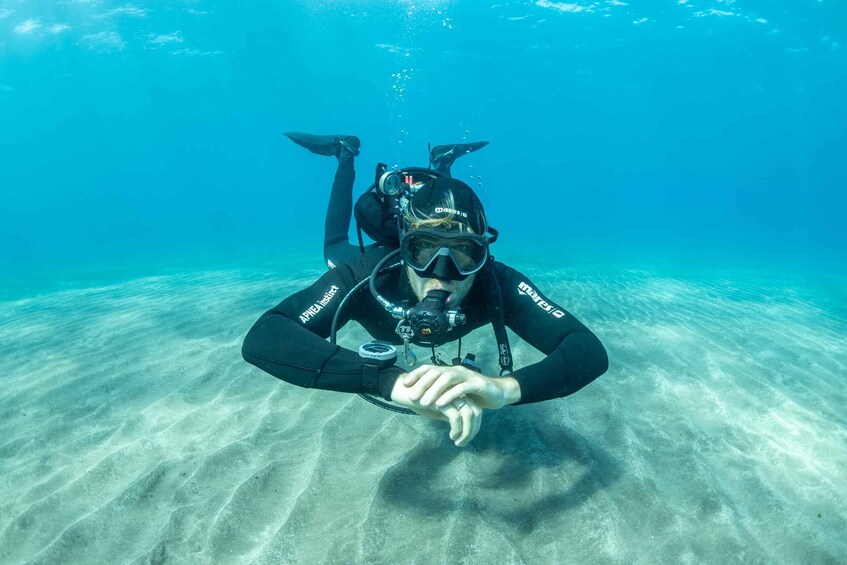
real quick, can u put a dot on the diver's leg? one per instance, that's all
(443, 156)
(337, 248)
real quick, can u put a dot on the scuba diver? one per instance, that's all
(427, 280)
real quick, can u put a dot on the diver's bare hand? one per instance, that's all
(438, 386)
(400, 394)
(464, 415)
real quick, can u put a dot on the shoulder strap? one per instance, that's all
(494, 301)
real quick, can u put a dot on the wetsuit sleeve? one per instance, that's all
(289, 341)
(575, 356)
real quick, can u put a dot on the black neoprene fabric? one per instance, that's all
(289, 340)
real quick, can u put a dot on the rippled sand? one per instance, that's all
(132, 431)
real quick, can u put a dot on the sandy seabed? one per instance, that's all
(131, 431)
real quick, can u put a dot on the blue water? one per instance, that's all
(129, 129)
(672, 172)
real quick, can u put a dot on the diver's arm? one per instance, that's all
(288, 351)
(575, 356)
(289, 341)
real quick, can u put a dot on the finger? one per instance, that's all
(413, 375)
(453, 393)
(424, 382)
(433, 414)
(477, 421)
(467, 425)
(455, 423)
(444, 381)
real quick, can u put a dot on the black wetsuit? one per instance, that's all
(289, 341)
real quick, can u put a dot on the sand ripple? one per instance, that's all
(131, 431)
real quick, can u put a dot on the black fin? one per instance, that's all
(442, 156)
(329, 145)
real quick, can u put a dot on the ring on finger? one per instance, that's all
(459, 404)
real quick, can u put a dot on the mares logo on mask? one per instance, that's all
(312, 310)
(442, 210)
(526, 290)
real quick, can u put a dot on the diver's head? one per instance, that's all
(442, 238)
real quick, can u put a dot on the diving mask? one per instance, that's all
(443, 254)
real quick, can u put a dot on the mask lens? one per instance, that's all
(420, 249)
(468, 253)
